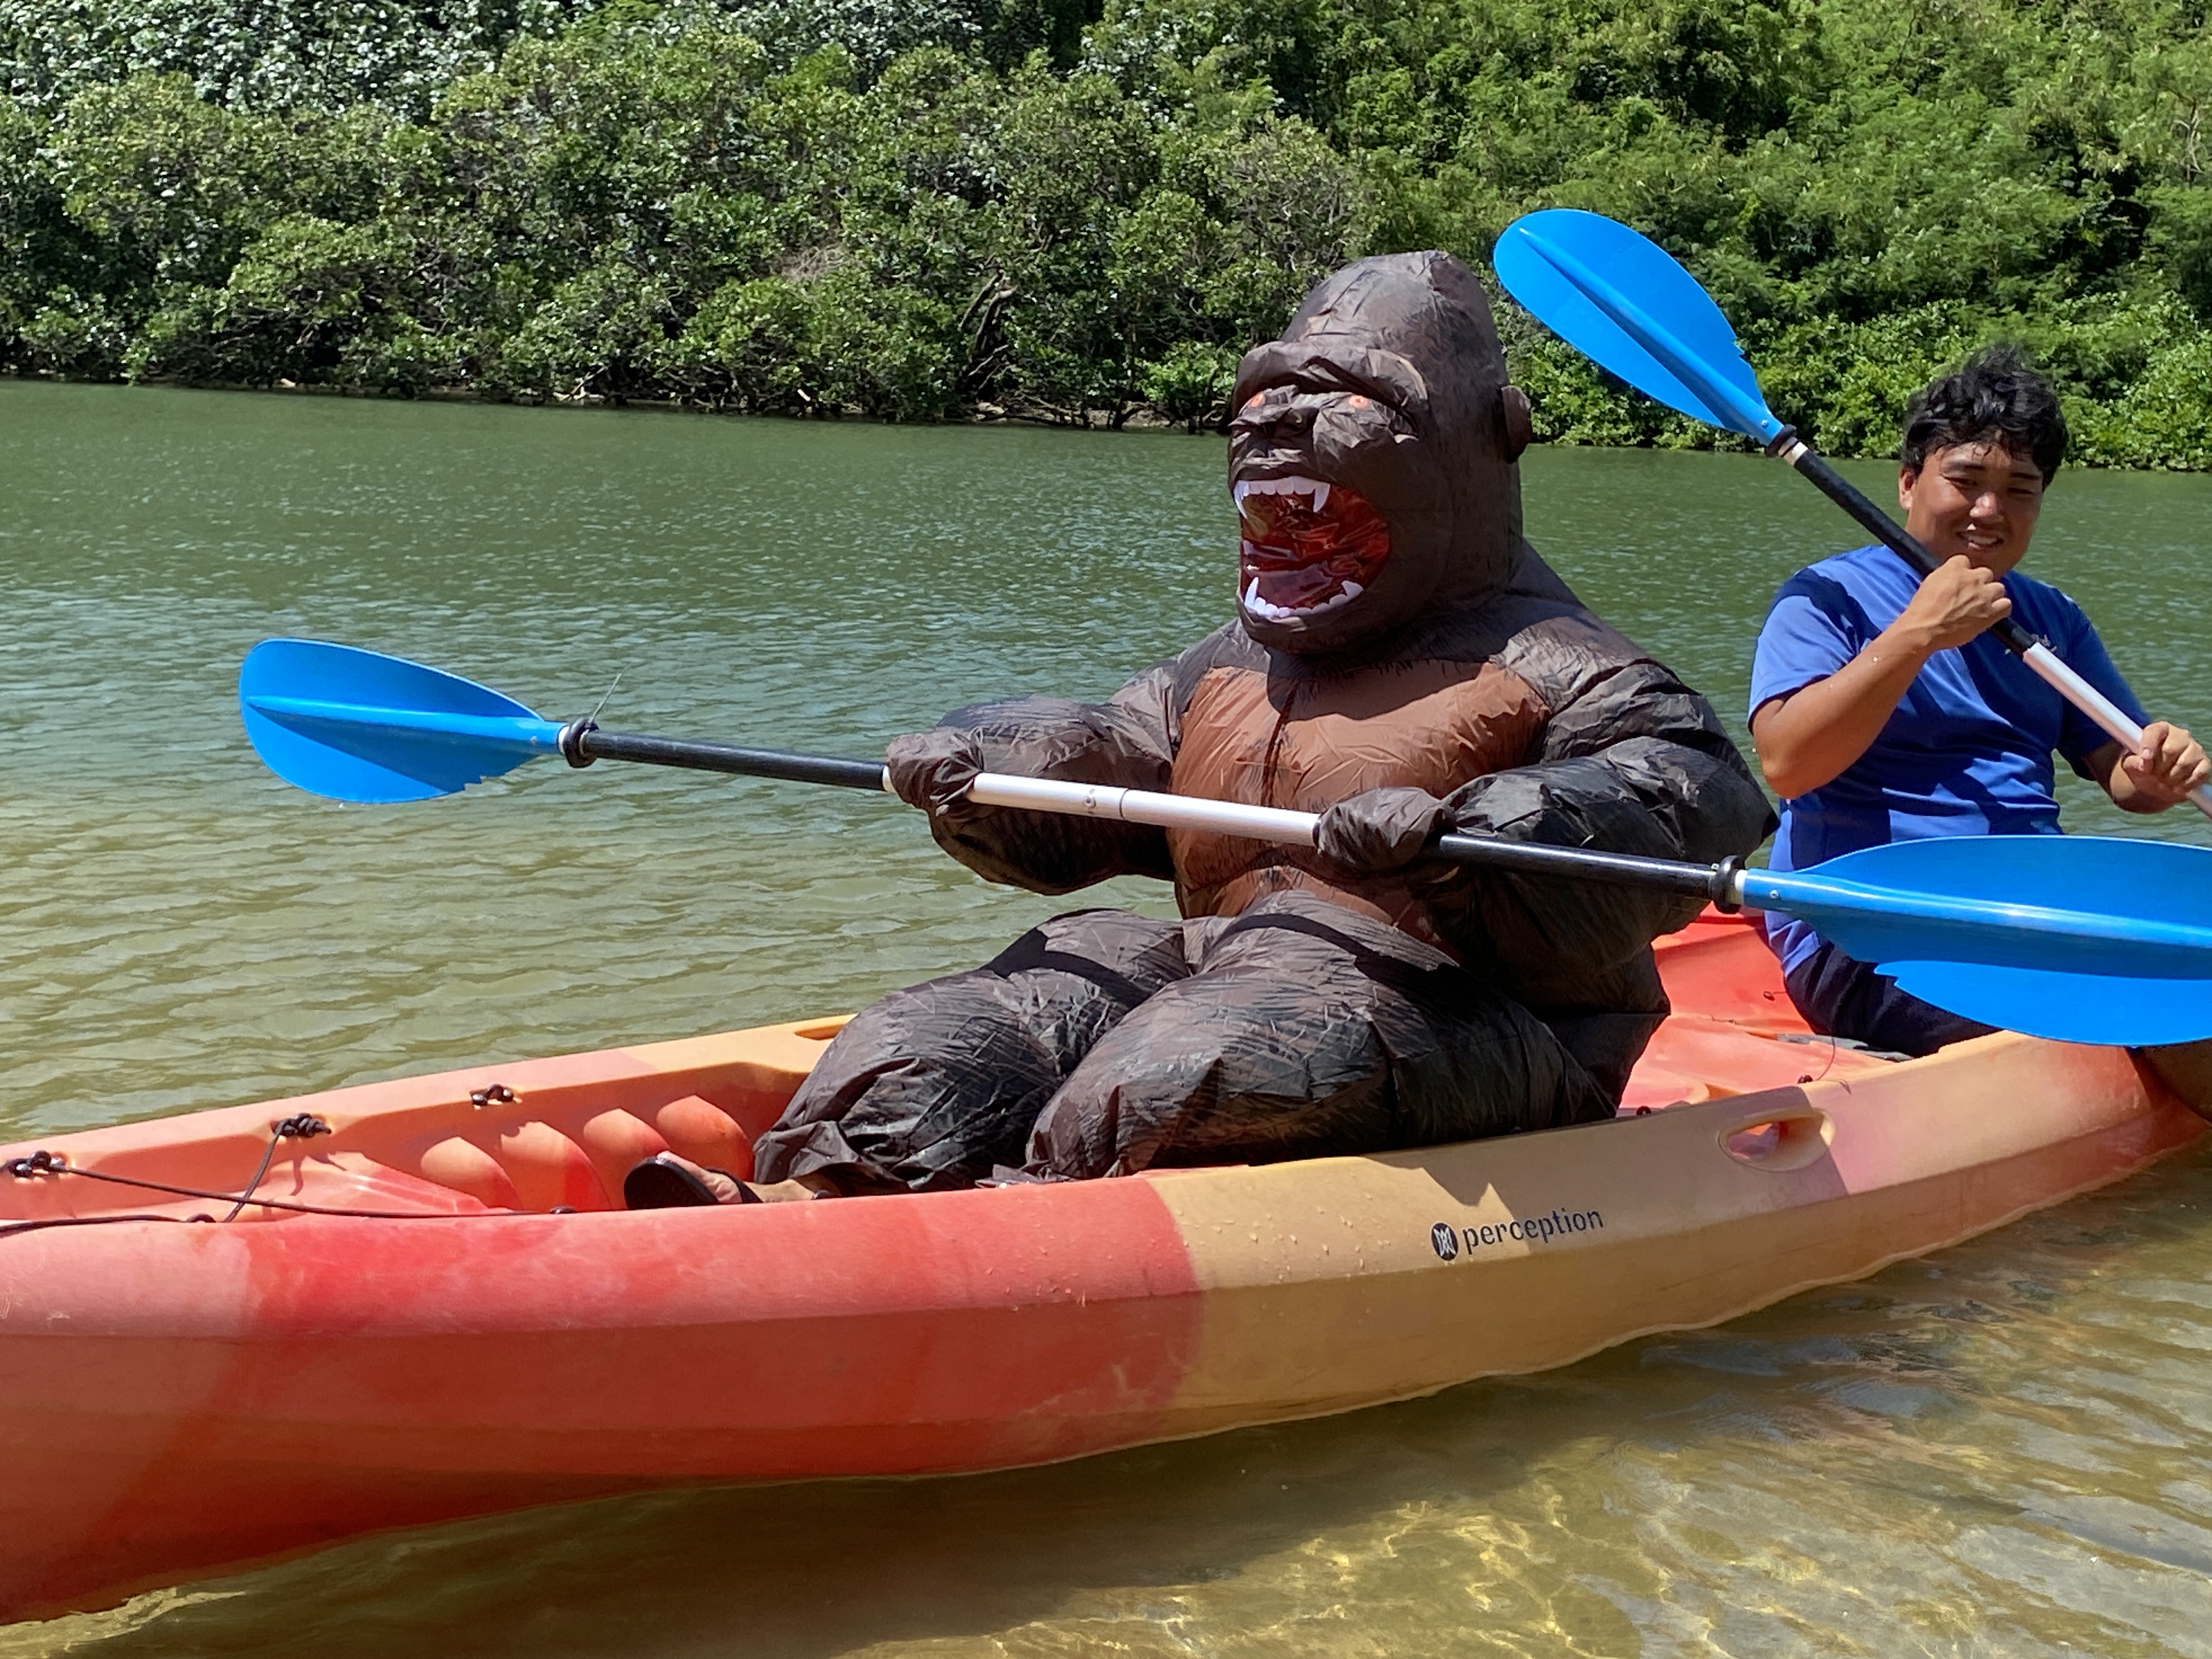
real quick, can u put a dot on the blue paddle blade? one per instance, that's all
(359, 726)
(1621, 301)
(2080, 938)
(2127, 1013)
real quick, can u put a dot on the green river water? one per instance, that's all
(2003, 1450)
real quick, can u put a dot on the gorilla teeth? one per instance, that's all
(1290, 486)
(1335, 602)
(1270, 612)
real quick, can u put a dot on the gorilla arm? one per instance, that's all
(1126, 742)
(1632, 761)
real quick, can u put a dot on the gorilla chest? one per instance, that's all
(1307, 744)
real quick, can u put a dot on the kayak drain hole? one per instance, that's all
(1790, 1141)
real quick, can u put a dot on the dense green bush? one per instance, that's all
(402, 54)
(1083, 209)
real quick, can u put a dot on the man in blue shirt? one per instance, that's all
(1882, 710)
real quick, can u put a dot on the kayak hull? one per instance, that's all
(209, 1396)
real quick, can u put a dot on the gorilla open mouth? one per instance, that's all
(1308, 548)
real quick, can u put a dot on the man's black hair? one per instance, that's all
(1994, 396)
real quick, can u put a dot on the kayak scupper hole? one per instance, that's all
(1791, 1140)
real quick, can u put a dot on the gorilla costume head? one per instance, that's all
(1372, 455)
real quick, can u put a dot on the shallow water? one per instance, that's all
(2004, 1449)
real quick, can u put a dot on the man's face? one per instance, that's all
(1978, 499)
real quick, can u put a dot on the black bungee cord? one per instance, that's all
(304, 1126)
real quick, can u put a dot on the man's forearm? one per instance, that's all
(1811, 736)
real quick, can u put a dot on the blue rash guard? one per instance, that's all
(1968, 752)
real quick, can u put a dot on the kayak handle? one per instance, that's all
(1777, 1141)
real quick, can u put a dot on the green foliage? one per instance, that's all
(2162, 418)
(402, 54)
(1189, 384)
(2181, 240)
(1083, 210)
(264, 54)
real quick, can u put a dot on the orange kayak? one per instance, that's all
(494, 1333)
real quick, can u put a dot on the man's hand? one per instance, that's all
(2164, 770)
(933, 769)
(1380, 829)
(1956, 601)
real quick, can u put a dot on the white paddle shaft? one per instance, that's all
(1091, 800)
(2110, 719)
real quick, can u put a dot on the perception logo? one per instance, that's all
(1449, 1242)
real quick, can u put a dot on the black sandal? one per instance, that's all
(664, 1183)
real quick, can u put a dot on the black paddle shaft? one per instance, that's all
(1712, 882)
(1885, 530)
(582, 743)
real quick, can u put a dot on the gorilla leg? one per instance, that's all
(1306, 1029)
(935, 1086)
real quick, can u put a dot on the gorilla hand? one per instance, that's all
(933, 769)
(1379, 830)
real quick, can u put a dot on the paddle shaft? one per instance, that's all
(1807, 895)
(583, 743)
(2111, 719)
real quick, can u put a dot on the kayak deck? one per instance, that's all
(224, 1393)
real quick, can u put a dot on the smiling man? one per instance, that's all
(1883, 711)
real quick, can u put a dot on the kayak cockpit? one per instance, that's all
(558, 1135)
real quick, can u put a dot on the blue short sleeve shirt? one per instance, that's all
(1968, 752)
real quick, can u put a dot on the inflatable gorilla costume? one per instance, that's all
(1403, 660)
